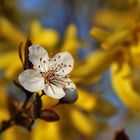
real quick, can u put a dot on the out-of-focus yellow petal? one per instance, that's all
(43, 36)
(110, 40)
(122, 83)
(113, 19)
(15, 36)
(4, 115)
(11, 63)
(7, 59)
(99, 34)
(135, 55)
(2, 47)
(116, 39)
(70, 41)
(15, 133)
(13, 69)
(82, 122)
(46, 131)
(94, 65)
(48, 101)
(88, 97)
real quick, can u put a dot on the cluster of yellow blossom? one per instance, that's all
(122, 37)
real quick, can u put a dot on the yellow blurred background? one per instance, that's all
(104, 39)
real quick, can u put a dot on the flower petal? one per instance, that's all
(64, 82)
(31, 80)
(39, 57)
(68, 83)
(71, 86)
(54, 91)
(62, 63)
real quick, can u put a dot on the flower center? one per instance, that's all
(49, 76)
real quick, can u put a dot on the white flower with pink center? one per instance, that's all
(48, 74)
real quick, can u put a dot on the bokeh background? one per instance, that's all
(104, 38)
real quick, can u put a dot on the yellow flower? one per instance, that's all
(14, 133)
(11, 63)
(46, 131)
(6, 27)
(46, 37)
(124, 64)
(113, 19)
(71, 43)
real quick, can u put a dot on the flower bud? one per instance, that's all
(70, 97)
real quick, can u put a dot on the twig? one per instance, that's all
(9, 123)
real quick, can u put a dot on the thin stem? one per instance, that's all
(25, 102)
(9, 123)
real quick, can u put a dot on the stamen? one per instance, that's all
(56, 69)
(58, 83)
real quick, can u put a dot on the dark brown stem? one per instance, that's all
(9, 123)
(28, 96)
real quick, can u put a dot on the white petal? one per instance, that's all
(62, 63)
(69, 84)
(54, 91)
(39, 57)
(31, 80)
(64, 83)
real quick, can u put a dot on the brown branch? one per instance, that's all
(7, 124)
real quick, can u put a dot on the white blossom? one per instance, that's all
(48, 74)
